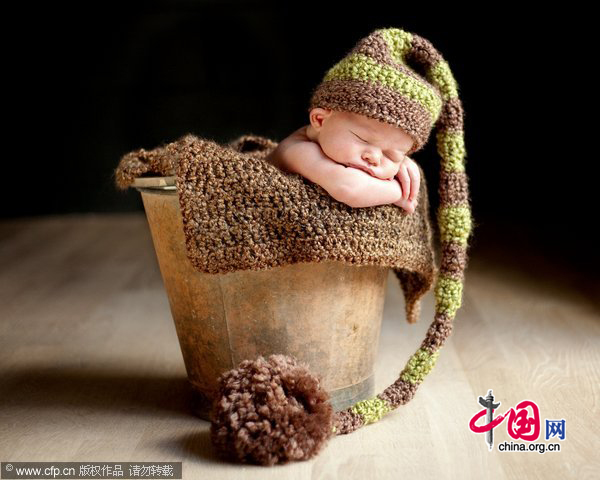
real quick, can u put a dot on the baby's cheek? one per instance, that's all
(337, 157)
(339, 152)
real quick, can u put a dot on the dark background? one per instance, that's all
(88, 84)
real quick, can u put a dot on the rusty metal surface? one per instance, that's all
(326, 314)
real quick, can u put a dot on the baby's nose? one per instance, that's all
(370, 157)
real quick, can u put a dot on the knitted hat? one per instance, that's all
(273, 411)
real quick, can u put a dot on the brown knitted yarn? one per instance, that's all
(270, 411)
(273, 411)
(266, 219)
(270, 218)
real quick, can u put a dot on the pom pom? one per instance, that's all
(270, 411)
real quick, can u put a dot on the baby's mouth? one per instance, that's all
(364, 169)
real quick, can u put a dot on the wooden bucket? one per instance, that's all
(326, 314)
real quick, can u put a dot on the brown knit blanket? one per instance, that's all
(240, 212)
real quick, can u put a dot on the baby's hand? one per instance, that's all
(409, 178)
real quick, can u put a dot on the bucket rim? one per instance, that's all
(161, 185)
(166, 183)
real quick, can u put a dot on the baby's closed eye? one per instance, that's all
(361, 139)
(396, 157)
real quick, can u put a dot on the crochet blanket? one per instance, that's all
(241, 212)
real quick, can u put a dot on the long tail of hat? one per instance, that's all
(454, 223)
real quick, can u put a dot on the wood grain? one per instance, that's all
(91, 370)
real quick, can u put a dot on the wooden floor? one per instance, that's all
(90, 366)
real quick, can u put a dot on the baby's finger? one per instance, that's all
(404, 179)
(415, 181)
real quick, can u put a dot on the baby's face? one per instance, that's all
(359, 141)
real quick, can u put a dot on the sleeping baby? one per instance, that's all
(358, 160)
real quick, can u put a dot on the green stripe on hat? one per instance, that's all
(398, 41)
(419, 365)
(441, 76)
(451, 147)
(371, 409)
(455, 224)
(363, 68)
(448, 295)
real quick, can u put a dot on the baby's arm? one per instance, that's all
(368, 191)
(346, 184)
(307, 159)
